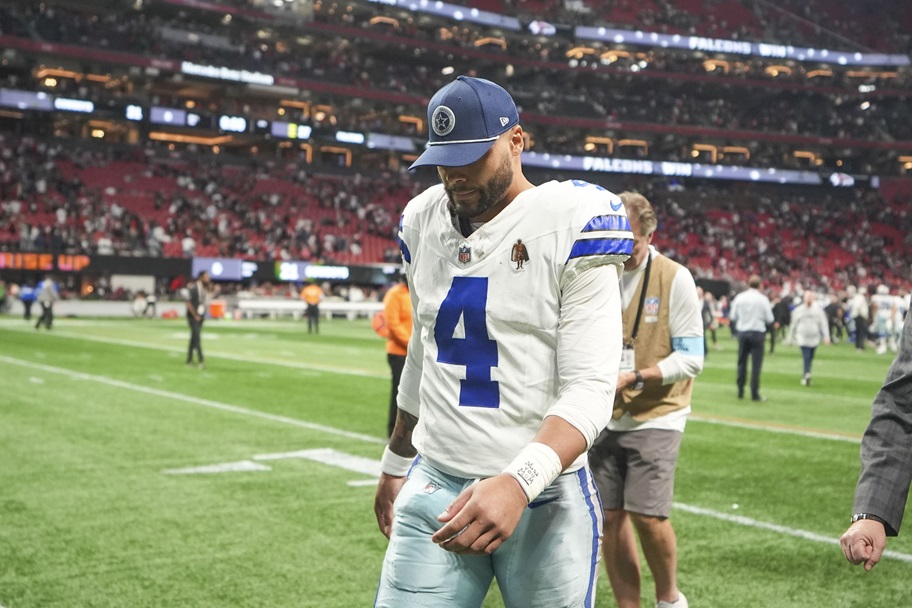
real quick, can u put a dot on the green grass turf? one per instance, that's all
(92, 413)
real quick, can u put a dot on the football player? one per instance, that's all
(510, 372)
(885, 316)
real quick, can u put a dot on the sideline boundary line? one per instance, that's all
(745, 424)
(225, 407)
(217, 355)
(775, 428)
(753, 523)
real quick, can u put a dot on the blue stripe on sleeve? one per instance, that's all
(691, 346)
(607, 222)
(579, 183)
(587, 247)
(406, 254)
(403, 248)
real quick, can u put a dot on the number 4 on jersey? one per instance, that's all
(468, 298)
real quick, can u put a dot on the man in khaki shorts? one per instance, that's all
(633, 460)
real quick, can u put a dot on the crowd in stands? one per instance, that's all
(812, 23)
(202, 37)
(150, 200)
(799, 237)
(62, 198)
(879, 25)
(624, 100)
(103, 201)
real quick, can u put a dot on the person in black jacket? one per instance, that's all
(196, 312)
(782, 318)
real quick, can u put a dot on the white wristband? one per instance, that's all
(535, 468)
(394, 465)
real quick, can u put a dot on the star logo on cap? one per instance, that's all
(443, 121)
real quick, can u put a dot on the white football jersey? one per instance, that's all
(499, 338)
(885, 303)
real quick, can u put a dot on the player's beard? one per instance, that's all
(489, 194)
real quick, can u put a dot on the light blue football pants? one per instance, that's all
(550, 561)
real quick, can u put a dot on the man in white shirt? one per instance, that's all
(858, 309)
(633, 460)
(510, 371)
(752, 314)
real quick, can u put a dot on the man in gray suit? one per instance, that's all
(886, 449)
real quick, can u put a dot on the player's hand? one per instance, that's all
(864, 542)
(387, 491)
(482, 517)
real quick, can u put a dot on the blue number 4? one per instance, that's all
(468, 298)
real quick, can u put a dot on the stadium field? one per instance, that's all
(131, 480)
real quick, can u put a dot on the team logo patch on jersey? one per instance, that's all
(519, 254)
(651, 306)
(431, 487)
(465, 254)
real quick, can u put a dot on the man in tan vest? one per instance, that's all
(633, 460)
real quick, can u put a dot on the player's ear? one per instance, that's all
(517, 142)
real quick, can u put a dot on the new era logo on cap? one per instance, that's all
(466, 117)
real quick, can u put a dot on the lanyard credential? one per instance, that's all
(636, 323)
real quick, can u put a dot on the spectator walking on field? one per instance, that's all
(752, 314)
(809, 327)
(782, 316)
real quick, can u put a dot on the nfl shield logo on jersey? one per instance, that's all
(465, 254)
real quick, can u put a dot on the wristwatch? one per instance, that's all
(638, 383)
(859, 516)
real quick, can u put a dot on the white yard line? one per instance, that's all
(753, 523)
(220, 355)
(349, 462)
(364, 373)
(225, 407)
(369, 466)
(771, 428)
(241, 466)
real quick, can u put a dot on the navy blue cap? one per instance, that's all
(465, 118)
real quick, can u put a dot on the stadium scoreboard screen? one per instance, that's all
(224, 269)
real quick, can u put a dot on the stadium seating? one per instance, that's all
(252, 201)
